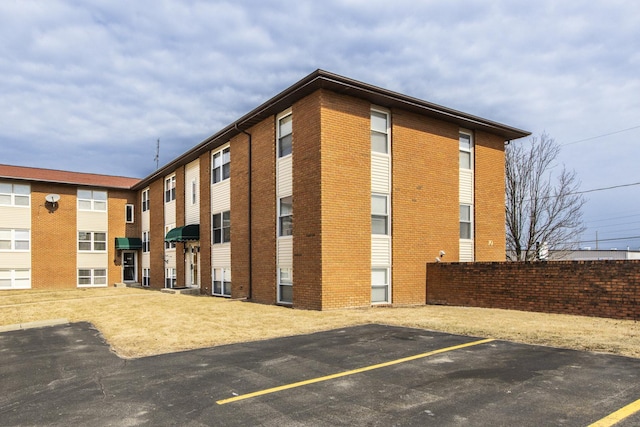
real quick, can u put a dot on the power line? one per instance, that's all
(600, 136)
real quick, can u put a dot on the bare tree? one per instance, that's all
(541, 207)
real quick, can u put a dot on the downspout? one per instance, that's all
(249, 214)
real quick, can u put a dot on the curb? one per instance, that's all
(31, 325)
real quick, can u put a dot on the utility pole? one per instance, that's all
(157, 158)
(596, 240)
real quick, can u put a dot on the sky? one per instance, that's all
(91, 86)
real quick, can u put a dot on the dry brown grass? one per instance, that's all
(140, 322)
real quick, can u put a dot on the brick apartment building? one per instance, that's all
(334, 193)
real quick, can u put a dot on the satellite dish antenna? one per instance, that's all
(52, 198)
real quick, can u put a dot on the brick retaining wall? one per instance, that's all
(588, 288)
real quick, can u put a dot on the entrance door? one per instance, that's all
(129, 272)
(193, 266)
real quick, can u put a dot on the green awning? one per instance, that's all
(128, 243)
(183, 234)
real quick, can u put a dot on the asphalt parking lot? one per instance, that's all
(370, 375)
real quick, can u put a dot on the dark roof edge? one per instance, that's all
(324, 79)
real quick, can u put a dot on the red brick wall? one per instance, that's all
(345, 201)
(119, 228)
(205, 223)
(156, 233)
(489, 233)
(587, 288)
(425, 197)
(54, 238)
(307, 204)
(263, 177)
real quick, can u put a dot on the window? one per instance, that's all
(14, 194)
(285, 136)
(194, 192)
(169, 245)
(170, 278)
(128, 214)
(465, 151)
(145, 241)
(379, 285)
(285, 285)
(222, 227)
(15, 279)
(145, 200)
(221, 165)
(285, 217)
(14, 240)
(221, 282)
(92, 277)
(146, 274)
(466, 231)
(92, 241)
(379, 132)
(170, 189)
(379, 214)
(90, 200)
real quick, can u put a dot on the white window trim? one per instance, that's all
(278, 227)
(170, 274)
(145, 200)
(93, 242)
(387, 270)
(14, 280)
(146, 275)
(12, 196)
(129, 207)
(281, 283)
(12, 239)
(470, 150)
(388, 201)
(223, 271)
(387, 113)
(146, 241)
(93, 201)
(471, 222)
(171, 188)
(222, 227)
(279, 117)
(93, 277)
(220, 152)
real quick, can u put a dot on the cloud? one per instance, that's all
(101, 81)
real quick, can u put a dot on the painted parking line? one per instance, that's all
(352, 372)
(618, 415)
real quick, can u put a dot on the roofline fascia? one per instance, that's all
(315, 81)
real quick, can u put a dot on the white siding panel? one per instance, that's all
(221, 196)
(285, 253)
(466, 186)
(221, 256)
(145, 260)
(192, 211)
(145, 221)
(15, 260)
(13, 217)
(380, 173)
(466, 250)
(170, 212)
(93, 221)
(380, 251)
(93, 260)
(285, 176)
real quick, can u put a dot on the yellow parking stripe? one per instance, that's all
(352, 372)
(619, 415)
